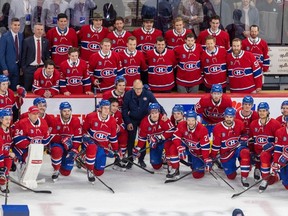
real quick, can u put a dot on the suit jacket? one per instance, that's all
(29, 51)
(8, 50)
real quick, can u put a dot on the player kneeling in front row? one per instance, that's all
(101, 140)
(67, 137)
(6, 157)
(279, 168)
(190, 138)
(30, 136)
(227, 138)
(157, 132)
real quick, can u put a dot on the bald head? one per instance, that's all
(138, 87)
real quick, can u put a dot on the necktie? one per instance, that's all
(38, 52)
(16, 47)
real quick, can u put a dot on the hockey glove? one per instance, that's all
(268, 147)
(154, 140)
(275, 168)
(208, 164)
(21, 91)
(87, 140)
(283, 159)
(136, 152)
(3, 175)
(72, 154)
(67, 143)
(181, 152)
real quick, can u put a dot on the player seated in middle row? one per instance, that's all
(157, 132)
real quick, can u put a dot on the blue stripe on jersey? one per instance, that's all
(222, 68)
(47, 140)
(189, 67)
(62, 83)
(144, 139)
(107, 71)
(86, 81)
(56, 161)
(167, 69)
(257, 72)
(113, 139)
(77, 139)
(84, 45)
(18, 139)
(278, 148)
(247, 71)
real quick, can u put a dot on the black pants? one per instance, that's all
(131, 140)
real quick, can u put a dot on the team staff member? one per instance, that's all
(135, 108)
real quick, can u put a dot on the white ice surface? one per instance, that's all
(138, 193)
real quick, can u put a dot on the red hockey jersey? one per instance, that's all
(281, 120)
(281, 144)
(5, 144)
(119, 40)
(74, 78)
(247, 119)
(160, 69)
(174, 39)
(222, 38)
(9, 100)
(42, 82)
(111, 93)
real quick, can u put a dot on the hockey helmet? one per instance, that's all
(119, 79)
(191, 114)
(39, 100)
(216, 88)
(263, 105)
(229, 111)
(65, 105)
(284, 103)
(5, 112)
(154, 106)
(178, 108)
(248, 100)
(3, 78)
(104, 103)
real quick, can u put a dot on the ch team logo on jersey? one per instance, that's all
(74, 81)
(100, 136)
(62, 49)
(238, 72)
(131, 70)
(147, 47)
(93, 46)
(190, 65)
(214, 69)
(191, 144)
(261, 140)
(160, 69)
(232, 142)
(107, 72)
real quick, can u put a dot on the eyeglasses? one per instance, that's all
(137, 89)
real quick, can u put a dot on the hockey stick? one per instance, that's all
(84, 167)
(6, 192)
(222, 179)
(127, 160)
(27, 188)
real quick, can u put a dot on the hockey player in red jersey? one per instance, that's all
(161, 62)
(262, 132)
(227, 138)
(31, 130)
(213, 63)
(60, 39)
(211, 106)
(7, 98)
(246, 114)
(118, 92)
(177, 36)
(122, 133)
(74, 78)
(101, 139)
(188, 74)
(133, 62)
(177, 114)
(222, 37)
(6, 157)
(104, 66)
(41, 103)
(190, 139)
(46, 80)
(279, 167)
(244, 71)
(284, 111)
(119, 36)
(146, 35)
(157, 132)
(67, 137)
(258, 47)
(90, 37)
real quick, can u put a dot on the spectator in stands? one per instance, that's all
(74, 78)
(10, 52)
(236, 29)
(46, 80)
(50, 11)
(177, 35)
(60, 39)
(35, 53)
(119, 36)
(110, 15)
(285, 25)
(237, 212)
(208, 11)
(164, 17)
(80, 12)
(37, 11)
(192, 14)
(5, 15)
(223, 10)
(90, 36)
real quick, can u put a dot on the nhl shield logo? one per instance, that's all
(255, 129)
(99, 63)
(207, 61)
(55, 39)
(42, 82)
(31, 131)
(154, 60)
(88, 35)
(173, 40)
(223, 134)
(186, 133)
(141, 38)
(68, 71)
(96, 124)
(125, 61)
(284, 139)
(247, 48)
(58, 128)
(149, 128)
(183, 56)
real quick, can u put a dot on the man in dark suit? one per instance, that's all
(10, 52)
(35, 53)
